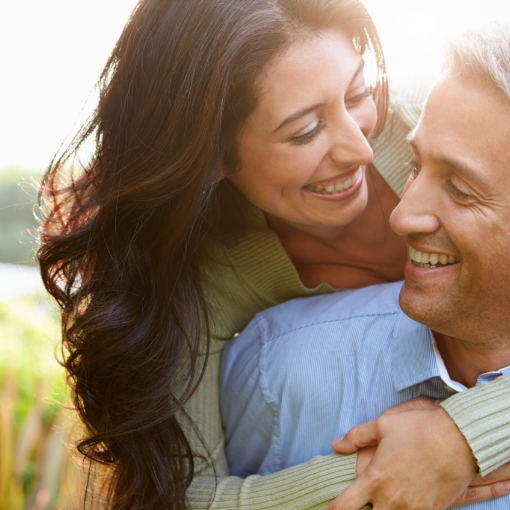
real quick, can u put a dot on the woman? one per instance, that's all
(158, 250)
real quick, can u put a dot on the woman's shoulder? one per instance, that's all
(248, 274)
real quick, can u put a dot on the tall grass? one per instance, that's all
(37, 471)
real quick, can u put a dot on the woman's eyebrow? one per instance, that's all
(308, 109)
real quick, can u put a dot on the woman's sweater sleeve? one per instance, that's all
(308, 486)
(483, 416)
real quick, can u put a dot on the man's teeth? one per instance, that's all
(422, 259)
(341, 186)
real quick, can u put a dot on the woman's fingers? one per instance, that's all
(482, 493)
(352, 498)
(412, 405)
(366, 434)
(498, 475)
(355, 496)
(422, 461)
(364, 458)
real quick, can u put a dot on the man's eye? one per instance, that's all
(308, 137)
(415, 168)
(456, 193)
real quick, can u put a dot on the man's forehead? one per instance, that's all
(465, 125)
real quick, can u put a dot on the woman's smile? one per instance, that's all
(337, 188)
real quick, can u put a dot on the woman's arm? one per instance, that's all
(423, 459)
(307, 486)
(415, 449)
(483, 416)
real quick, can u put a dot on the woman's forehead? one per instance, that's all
(312, 69)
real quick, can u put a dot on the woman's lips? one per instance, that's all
(338, 187)
(340, 191)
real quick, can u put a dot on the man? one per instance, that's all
(307, 371)
(457, 203)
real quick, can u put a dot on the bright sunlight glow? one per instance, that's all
(52, 52)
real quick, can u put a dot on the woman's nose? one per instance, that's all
(351, 146)
(417, 211)
(350, 143)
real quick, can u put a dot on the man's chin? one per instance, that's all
(420, 305)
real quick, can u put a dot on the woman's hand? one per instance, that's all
(421, 461)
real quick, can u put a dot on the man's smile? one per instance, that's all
(430, 260)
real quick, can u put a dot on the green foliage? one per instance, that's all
(36, 470)
(36, 466)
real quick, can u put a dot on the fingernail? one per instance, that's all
(337, 441)
(438, 401)
(506, 486)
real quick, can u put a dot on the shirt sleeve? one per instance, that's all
(483, 416)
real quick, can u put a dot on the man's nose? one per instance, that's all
(417, 212)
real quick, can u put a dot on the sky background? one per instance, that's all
(51, 54)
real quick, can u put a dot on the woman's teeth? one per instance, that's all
(341, 186)
(425, 260)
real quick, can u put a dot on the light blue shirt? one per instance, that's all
(305, 372)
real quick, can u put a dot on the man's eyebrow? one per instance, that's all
(412, 143)
(459, 167)
(308, 109)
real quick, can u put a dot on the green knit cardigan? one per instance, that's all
(256, 273)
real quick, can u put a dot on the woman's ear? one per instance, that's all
(220, 176)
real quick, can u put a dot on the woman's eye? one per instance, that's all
(456, 193)
(308, 137)
(359, 97)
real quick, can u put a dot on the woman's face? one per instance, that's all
(304, 148)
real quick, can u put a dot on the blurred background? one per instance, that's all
(51, 54)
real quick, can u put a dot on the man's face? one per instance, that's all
(456, 205)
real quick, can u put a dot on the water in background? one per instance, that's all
(17, 280)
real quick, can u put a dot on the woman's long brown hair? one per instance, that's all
(124, 233)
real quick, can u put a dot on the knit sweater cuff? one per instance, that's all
(309, 486)
(483, 416)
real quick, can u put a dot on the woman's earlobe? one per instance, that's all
(220, 176)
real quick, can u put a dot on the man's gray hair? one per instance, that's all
(482, 53)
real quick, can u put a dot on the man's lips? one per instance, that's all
(426, 265)
(425, 259)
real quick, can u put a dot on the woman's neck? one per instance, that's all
(363, 252)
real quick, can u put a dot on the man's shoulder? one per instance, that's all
(353, 318)
(376, 300)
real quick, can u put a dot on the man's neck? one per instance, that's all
(465, 362)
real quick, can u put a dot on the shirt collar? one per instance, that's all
(443, 371)
(415, 357)
(454, 385)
